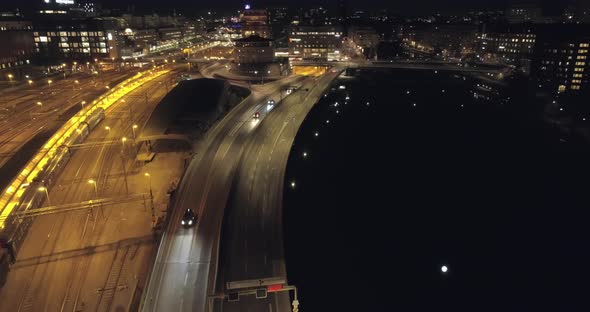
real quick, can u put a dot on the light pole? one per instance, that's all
(44, 189)
(10, 76)
(49, 82)
(107, 128)
(151, 198)
(133, 128)
(93, 182)
(123, 140)
(30, 82)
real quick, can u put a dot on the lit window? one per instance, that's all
(575, 87)
(579, 69)
(561, 88)
(580, 63)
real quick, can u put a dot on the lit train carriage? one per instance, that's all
(54, 167)
(95, 118)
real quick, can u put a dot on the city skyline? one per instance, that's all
(413, 8)
(280, 156)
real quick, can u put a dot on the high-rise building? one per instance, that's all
(77, 39)
(254, 50)
(255, 22)
(17, 42)
(513, 48)
(562, 63)
(315, 43)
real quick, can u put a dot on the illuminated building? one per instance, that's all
(563, 64)
(255, 22)
(322, 43)
(17, 46)
(254, 50)
(78, 39)
(506, 48)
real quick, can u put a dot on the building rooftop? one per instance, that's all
(253, 38)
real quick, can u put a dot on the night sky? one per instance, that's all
(190, 7)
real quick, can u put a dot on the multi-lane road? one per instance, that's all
(252, 236)
(91, 259)
(185, 268)
(185, 272)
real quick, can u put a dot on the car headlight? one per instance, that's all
(190, 222)
(182, 222)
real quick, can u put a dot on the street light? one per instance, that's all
(30, 82)
(49, 82)
(133, 130)
(44, 189)
(10, 77)
(149, 176)
(95, 188)
(39, 103)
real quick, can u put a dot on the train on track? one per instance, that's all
(16, 226)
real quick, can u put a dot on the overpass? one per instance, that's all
(445, 66)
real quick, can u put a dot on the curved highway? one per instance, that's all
(252, 238)
(185, 268)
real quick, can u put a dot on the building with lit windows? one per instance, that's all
(255, 22)
(17, 46)
(254, 50)
(322, 43)
(78, 39)
(563, 64)
(506, 48)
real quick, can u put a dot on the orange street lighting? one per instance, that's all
(133, 130)
(39, 103)
(49, 82)
(107, 128)
(149, 181)
(30, 82)
(44, 189)
(95, 187)
(10, 76)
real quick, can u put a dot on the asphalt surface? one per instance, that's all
(185, 268)
(252, 236)
(87, 260)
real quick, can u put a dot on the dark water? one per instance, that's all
(390, 192)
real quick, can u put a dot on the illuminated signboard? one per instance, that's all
(64, 1)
